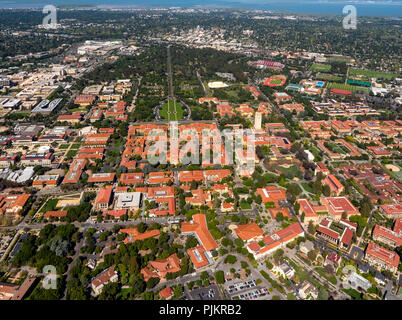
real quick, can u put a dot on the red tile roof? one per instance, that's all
(278, 238)
(249, 231)
(57, 214)
(102, 177)
(307, 208)
(134, 234)
(381, 231)
(392, 208)
(333, 183)
(103, 277)
(271, 194)
(389, 257)
(198, 257)
(132, 178)
(339, 205)
(160, 268)
(166, 293)
(104, 195)
(115, 213)
(330, 233)
(13, 203)
(347, 237)
(200, 228)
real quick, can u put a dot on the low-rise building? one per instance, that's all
(101, 178)
(129, 200)
(10, 291)
(381, 257)
(160, 268)
(308, 290)
(284, 270)
(275, 241)
(8, 160)
(105, 277)
(37, 159)
(46, 180)
(249, 232)
(356, 281)
(104, 198)
(387, 236)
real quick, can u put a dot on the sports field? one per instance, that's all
(171, 111)
(328, 77)
(342, 86)
(275, 81)
(373, 74)
(318, 67)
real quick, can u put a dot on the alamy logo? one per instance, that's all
(350, 21)
(50, 21)
(50, 280)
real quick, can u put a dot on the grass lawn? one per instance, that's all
(168, 112)
(307, 187)
(320, 67)
(348, 87)
(276, 81)
(328, 77)
(290, 172)
(373, 74)
(76, 146)
(398, 174)
(50, 205)
(329, 277)
(353, 293)
(64, 146)
(335, 148)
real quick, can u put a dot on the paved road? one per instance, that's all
(170, 77)
(202, 83)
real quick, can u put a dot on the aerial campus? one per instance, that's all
(314, 212)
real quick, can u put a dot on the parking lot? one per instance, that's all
(208, 293)
(245, 290)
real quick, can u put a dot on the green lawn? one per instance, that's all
(290, 172)
(76, 146)
(335, 148)
(50, 205)
(348, 87)
(328, 77)
(168, 111)
(373, 74)
(307, 187)
(276, 81)
(353, 293)
(64, 146)
(320, 67)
